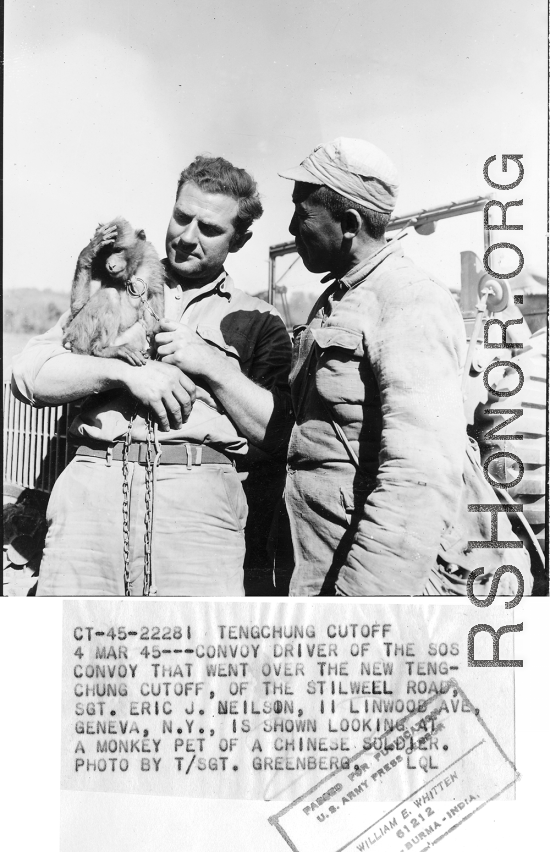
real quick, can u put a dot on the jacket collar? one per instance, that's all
(366, 266)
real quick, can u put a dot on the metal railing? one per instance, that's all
(35, 442)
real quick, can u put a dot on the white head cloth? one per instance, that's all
(355, 169)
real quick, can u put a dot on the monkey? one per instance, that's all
(116, 256)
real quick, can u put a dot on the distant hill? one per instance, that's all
(31, 311)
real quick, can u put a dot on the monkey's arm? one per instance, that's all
(80, 291)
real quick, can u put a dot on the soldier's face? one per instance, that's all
(201, 233)
(318, 236)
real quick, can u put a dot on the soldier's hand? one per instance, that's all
(177, 344)
(165, 389)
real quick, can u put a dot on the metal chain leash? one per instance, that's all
(152, 458)
(126, 507)
(151, 462)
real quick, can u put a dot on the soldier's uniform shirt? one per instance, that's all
(381, 357)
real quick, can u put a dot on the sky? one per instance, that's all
(106, 102)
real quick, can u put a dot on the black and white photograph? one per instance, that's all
(275, 327)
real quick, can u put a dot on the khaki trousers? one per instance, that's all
(198, 531)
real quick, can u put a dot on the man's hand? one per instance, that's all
(179, 345)
(165, 389)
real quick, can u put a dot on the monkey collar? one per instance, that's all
(137, 287)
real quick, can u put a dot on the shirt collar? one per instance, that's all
(225, 285)
(367, 265)
(222, 285)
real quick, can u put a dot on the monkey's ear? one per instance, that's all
(141, 235)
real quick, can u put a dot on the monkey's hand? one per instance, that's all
(131, 346)
(105, 235)
(164, 389)
(128, 353)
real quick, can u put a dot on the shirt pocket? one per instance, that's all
(338, 374)
(346, 343)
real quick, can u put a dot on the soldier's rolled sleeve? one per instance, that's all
(27, 365)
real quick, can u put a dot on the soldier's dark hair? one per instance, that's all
(214, 174)
(336, 204)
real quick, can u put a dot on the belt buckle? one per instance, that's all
(189, 451)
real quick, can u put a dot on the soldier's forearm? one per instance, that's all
(64, 379)
(250, 406)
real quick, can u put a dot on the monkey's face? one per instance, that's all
(200, 233)
(116, 263)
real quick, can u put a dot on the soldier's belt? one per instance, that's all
(187, 454)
